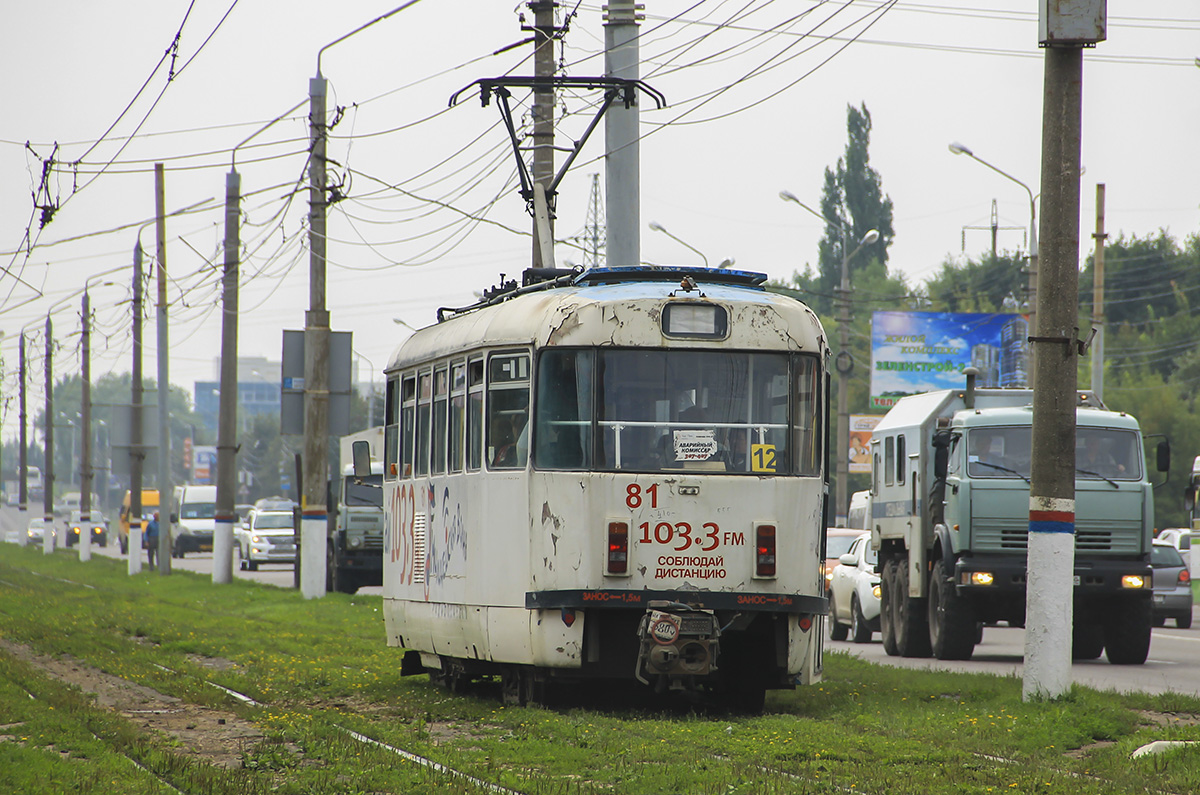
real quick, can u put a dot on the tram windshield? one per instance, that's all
(670, 410)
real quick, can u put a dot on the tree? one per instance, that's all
(993, 284)
(853, 196)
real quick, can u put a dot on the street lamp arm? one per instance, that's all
(657, 227)
(788, 196)
(361, 28)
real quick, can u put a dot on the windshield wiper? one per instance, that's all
(1111, 482)
(1002, 469)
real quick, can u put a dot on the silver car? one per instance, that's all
(1172, 586)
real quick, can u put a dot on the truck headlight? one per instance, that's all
(354, 542)
(1133, 581)
(978, 578)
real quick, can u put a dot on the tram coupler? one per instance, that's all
(676, 643)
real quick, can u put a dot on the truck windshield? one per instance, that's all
(663, 410)
(1100, 453)
(364, 492)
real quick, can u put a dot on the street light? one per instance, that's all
(959, 149)
(657, 227)
(844, 361)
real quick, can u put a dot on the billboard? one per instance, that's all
(913, 352)
(205, 460)
(861, 426)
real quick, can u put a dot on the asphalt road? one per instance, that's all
(278, 574)
(1173, 666)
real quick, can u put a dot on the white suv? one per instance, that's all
(266, 537)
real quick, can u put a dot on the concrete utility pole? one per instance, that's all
(622, 159)
(85, 465)
(1051, 562)
(314, 506)
(137, 450)
(544, 35)
(227, 418)
(1098, 297)
(23, 453)
(164, 383)
(314, 497)
(48, 475)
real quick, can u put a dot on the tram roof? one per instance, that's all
(620, 306)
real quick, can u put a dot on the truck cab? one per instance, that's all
(950, 515)
(356, 520)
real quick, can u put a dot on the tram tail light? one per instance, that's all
(617, 561)
(764, 550)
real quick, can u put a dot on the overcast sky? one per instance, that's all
(756, 91)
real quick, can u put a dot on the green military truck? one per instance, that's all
(354, 549)
(950, 517)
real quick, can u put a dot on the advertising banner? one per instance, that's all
(205, 460)
(861, 426)
(913, 352)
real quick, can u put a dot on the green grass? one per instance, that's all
(321, 667)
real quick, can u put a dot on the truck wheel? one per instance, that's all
(860, 631)
(1127, 633)
(887, 631)
(909, 621)
(952, 626)
(335, 578)
(837, 630)
(1087, 640)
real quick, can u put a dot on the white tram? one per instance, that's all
(610, 475)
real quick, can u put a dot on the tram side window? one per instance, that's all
(424, 417)
(475, 414)
(508, 411)
(441, 390)
(408, 416)
(563, 412)
(808, 416)
(458, 409)
(391, 430)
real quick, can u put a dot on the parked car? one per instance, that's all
(837, 543)
(95, 525)
(1172, 586)
(266, 537)
(854, 593)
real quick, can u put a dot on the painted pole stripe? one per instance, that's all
(1051, 504)
(1052, 527)
(1067, 517)
(313, 515)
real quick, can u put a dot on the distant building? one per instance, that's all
(258, 391)
(1013, 353)
(986, 359)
